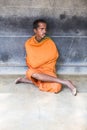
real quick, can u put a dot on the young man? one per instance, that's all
(41, 57)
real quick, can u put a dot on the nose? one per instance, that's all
(45, 30)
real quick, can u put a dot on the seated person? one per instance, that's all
(41, 58)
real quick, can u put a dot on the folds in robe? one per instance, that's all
(41, 58)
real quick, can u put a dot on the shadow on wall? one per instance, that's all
(14, 31)
(63, 24)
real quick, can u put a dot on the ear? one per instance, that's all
(35, 31)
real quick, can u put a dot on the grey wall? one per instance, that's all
(67, 21)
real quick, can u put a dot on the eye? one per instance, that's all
(42, 28)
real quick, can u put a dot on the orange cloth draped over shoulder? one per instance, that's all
(41, 58)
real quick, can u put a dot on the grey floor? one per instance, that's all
(24, 107)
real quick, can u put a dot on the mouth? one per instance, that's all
(44, 35)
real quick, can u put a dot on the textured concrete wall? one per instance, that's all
(67, 21)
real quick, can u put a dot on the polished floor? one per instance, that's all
(24, 107)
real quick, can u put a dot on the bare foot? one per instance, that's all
(72, 88)
(74, 91)
(18, 80)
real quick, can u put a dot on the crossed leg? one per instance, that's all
(48, 78)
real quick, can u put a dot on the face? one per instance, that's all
(40, 32)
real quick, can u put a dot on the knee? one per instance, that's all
(35, 75)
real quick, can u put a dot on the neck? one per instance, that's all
(38, 39)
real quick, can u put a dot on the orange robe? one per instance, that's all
(41, 58)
